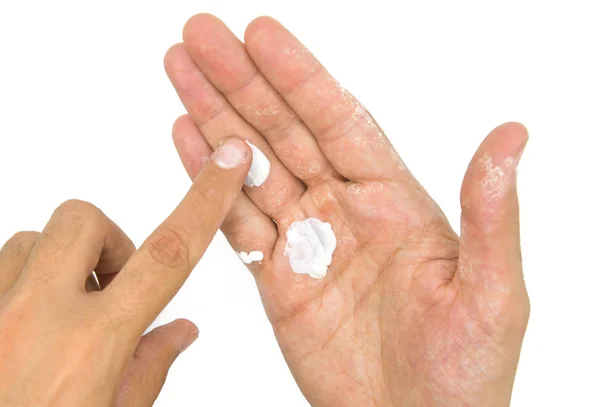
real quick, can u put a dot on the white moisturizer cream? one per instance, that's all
(250, 257)
(310, 246)
(260, 168)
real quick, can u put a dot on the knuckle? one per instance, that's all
(518, 307)
(108, 319)
(78, 213)
(12, 319)
(75, 206)
(84, 344)
(168, 246)
(207, 193)
(211, 199)
(24, 236)
(16, 317)
(21, 239)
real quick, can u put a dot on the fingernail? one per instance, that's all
(188, 340)
(230, 154)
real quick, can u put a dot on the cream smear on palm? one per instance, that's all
(260, 168)
(310, 246)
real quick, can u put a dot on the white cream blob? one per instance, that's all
(250, 257)
(310, 246)
(260, 168)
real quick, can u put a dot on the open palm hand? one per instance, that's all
(409, 314)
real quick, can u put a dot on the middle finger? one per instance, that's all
(217, 120)
(223, 59)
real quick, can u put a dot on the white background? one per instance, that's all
(86, 112)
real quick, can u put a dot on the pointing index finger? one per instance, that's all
(154, 274)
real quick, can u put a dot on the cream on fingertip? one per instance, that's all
(230, 153)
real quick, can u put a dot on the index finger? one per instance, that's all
(154, 274)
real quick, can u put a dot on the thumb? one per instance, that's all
(155, 353)
(490, 254)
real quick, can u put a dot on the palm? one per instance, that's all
(408, 313)
(338, 335)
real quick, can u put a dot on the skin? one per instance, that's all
(410, 313)
(64, 340)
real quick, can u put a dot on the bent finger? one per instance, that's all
(13, 257)
(78, 239)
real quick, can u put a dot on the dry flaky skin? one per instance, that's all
(409, 314)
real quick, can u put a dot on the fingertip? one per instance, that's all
(191, 146)
(232, 153)
(185, 324)
(501, 150)
(257, 26)
(511, 127)
(171, 55)
(180, 124)
(181, 333)
(199, 25)
(507, 139)
(186, 133)
(189, 331)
